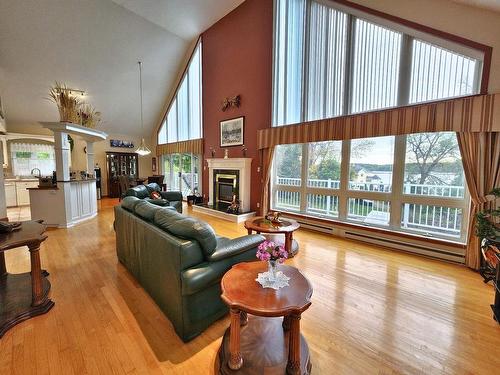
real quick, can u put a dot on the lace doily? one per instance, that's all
(278, 283)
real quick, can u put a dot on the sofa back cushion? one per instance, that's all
(146, 210)
(139, 191)
(188, 228)
(153, 186)
(129, 203)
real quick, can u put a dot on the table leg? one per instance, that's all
(235, 361)
(288, 243)
(36, 275)
(243, 318)
(3, 269)
(286, 323)
(249, 231)
(293, 365)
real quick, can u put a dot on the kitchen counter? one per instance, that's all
(43, 188)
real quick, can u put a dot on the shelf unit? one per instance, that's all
(120, 164)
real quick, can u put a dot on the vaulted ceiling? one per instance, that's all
(94, 45)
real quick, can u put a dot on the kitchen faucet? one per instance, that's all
(39, 172)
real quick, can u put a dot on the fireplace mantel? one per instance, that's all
(243, 165)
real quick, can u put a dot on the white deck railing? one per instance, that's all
(424, 218)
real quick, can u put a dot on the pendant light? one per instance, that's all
(143, 150)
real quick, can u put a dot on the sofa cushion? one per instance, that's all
(188, 228)
(157, 202)
(130, 202)
(139, 191)
(146, 210)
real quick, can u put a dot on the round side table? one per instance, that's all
(264, 343)
(285, 228)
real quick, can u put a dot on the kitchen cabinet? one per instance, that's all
(10, 194)
(22, 194)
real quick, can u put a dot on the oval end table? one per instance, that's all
(264, 343)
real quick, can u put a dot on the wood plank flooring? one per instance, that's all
(374, 311)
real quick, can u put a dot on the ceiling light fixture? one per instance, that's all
(143, 150)
(70, 91)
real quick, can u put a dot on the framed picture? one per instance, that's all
(231, 132)
(120, 143)
(153, 166)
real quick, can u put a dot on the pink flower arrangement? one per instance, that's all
(268, 250)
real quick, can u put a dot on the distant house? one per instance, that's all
(363, 176)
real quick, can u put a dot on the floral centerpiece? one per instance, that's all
(273, 254)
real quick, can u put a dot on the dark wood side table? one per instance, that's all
(23, 295)
(285, 227)
(266, 344)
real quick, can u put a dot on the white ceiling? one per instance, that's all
(493, 5)
(94, 45)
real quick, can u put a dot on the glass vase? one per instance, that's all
(272, 268)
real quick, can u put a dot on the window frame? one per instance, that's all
(396, 198)
(163, 128)
(409, 30)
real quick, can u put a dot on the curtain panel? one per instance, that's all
(481, 161)
(194, 145)
(472, 114)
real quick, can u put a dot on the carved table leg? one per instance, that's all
(3, 270)
(249, 231)
(288, 243)
(243, 318)
(293, 365)
(286, 323)
(36, 275)
(235, 361)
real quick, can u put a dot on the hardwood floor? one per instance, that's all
(374, 311)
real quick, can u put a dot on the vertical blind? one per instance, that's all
(328, 63)
(375, 67)
(183, 119)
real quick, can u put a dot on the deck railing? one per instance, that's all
(429, 219)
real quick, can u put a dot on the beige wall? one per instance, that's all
(479, 25)
(78, 156)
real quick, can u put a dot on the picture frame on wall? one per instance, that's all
(120, 143)
(231, 132)
(153, 165)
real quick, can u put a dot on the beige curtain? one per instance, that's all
(267, 159)
(480, 113)
(481, 161)
(194, 145)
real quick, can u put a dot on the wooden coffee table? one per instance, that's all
(260, 224)
(266, 344)
(25, 295)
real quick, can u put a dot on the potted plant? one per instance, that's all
(488, 230)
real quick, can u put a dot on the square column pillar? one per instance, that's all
(90, 157)
(62, 153)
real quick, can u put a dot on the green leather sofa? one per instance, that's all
(169, 198)
(179, 261)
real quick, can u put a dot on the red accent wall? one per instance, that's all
(237, 59)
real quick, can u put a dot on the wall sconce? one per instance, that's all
(212, 151)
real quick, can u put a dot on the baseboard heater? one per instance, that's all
(432, 250)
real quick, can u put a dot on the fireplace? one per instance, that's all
(234, 179)
(226, 185)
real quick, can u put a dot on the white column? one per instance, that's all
(62, 153)
(90, 157)
(3, 206)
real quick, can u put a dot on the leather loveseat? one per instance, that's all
(179, 261)
(168, 198)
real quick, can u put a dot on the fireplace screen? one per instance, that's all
(225, 187)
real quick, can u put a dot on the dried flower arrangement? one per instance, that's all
(89, 117)
(67, 104)
(71, 109)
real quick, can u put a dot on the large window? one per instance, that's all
(331, 60)
(26, 156)
(412, 183)
(183, 119)
(182, 173)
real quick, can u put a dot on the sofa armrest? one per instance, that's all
(227, 248)
(171, 195)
